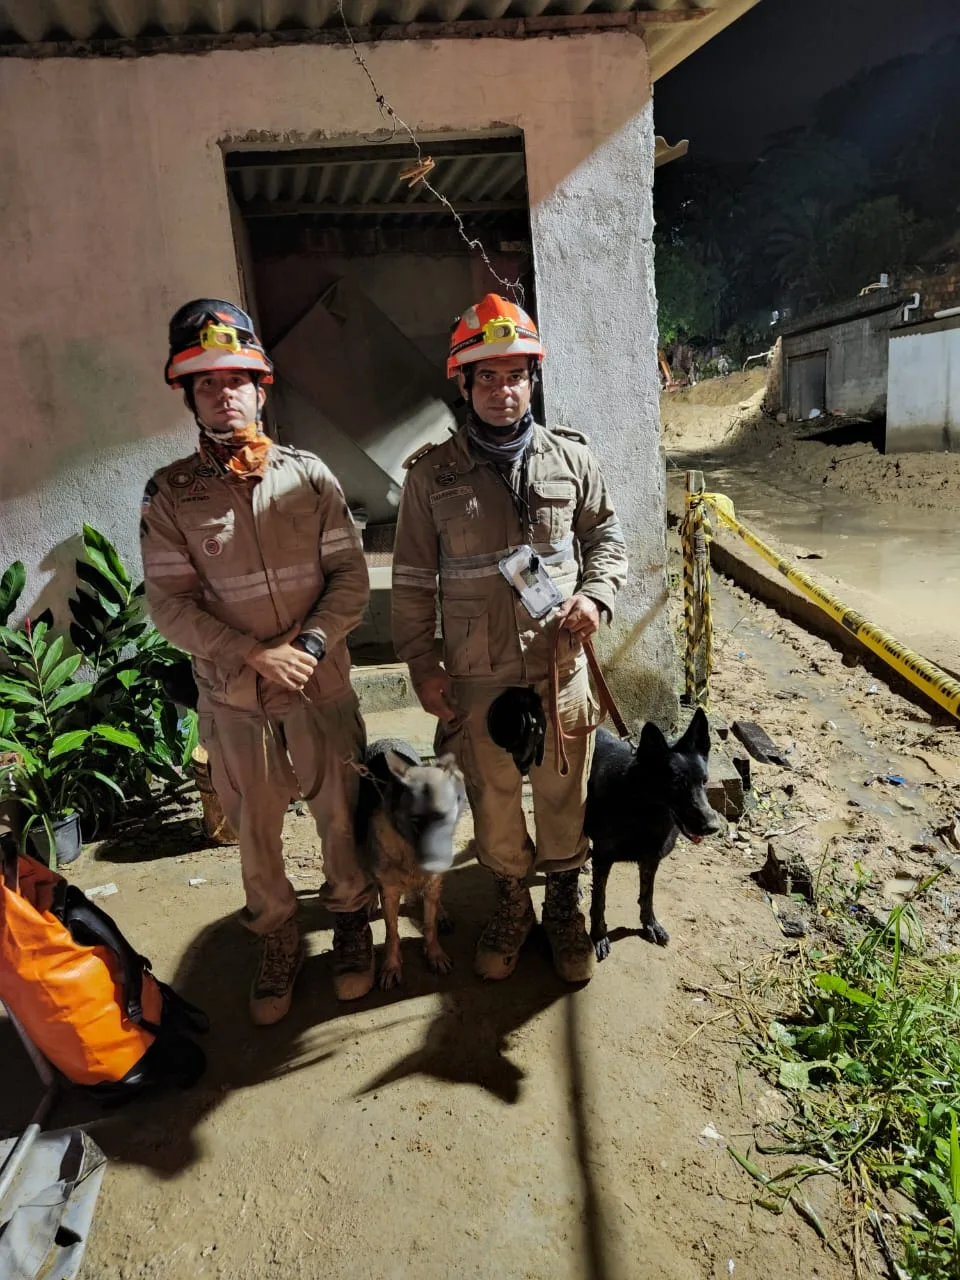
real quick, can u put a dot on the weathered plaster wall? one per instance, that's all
(923, 400)
(856, 362)
(114, 211)
(593, 252)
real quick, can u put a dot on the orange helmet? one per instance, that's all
(492, 328)
(209, 333)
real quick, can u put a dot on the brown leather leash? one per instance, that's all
(604, 697)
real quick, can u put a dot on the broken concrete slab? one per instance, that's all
(383, 688)
(758, 742)
(725, 786)
(786, 876)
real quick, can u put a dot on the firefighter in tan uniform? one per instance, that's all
(253, 565)
(504, 486)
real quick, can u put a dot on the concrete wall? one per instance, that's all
(856, 362)
(923, 400)
(115, 212)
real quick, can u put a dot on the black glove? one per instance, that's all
(312, 643)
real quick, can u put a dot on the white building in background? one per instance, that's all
(923, 390)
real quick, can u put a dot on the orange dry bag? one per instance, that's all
(85, 998)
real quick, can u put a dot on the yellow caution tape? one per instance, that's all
(923, 675)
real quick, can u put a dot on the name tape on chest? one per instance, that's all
(458, 491)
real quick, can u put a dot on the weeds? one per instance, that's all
(867, 1045)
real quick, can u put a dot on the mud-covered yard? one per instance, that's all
(518, 1130)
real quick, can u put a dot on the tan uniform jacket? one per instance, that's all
(229, 565)
(457, 520)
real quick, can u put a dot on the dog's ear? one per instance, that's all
(697, 736)
(397, 765)
(652, 741)
(448, 764)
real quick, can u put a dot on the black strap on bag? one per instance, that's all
(90, 926)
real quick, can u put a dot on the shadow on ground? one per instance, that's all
(466, 1042)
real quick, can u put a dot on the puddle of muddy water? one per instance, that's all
(908, 559)
(861, 760)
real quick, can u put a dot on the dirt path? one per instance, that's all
(451, 1128)
(517, 1131)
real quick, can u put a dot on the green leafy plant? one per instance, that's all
(111, 690)
(866, 1042)
(129, 660)
(58, 769)
(11, 589)
(107, 611)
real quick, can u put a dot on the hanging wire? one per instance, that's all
(424, 166)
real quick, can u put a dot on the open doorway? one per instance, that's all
(354, 278)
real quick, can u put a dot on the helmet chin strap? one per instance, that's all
(222, 437)
(516, 427)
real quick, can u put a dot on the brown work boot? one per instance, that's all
(280, 962)
(573, 952)
(353, 963)
(498, 948)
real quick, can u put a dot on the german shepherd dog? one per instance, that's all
(407, 813)
(638, 802)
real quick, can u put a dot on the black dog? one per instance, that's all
(638, 802)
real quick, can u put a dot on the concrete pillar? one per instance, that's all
(593, 250)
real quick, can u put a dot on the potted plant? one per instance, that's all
(92, 730)
(54, 765)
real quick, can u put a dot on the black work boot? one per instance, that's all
(280, 962)
(572, 950)
(353, 962)
(498, 948)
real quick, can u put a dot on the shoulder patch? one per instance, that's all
(569, 434)
(148, 495)
(187, 464)
(420, 453)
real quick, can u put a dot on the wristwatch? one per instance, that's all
(312, 643)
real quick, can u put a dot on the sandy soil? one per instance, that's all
(723, 417)
(879, 532)
(451, 1128)
(520, 1130)
(712, 412)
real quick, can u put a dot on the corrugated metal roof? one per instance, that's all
(52, 20)
(672, 29)
(482, 178)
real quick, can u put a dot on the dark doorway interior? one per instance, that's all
(806, 385)
(355, 277)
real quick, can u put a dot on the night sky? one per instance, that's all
(766, 71)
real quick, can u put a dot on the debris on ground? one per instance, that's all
(102, 891)
(786, 876)
(758, 742)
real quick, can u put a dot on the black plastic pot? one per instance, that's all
(68, 843)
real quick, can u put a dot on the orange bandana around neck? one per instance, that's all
(242, 455)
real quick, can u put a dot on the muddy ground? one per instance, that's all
(520, 1130)
(724, 417)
